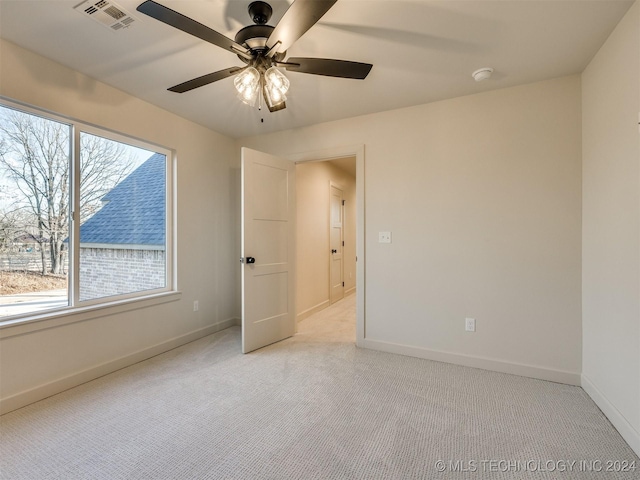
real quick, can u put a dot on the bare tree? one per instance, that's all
(103, 164)
(35, 154)
(11, 226)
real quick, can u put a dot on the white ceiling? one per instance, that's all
(421, 50)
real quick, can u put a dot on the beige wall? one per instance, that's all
(482, 195)
(312, 267)
(611, 227)
(39, 363)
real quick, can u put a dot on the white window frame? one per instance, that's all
(81, 310)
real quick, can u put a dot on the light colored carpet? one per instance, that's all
(311, 407)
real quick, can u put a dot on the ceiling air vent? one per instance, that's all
(106, 13)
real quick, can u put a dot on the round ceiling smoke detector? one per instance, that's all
(482, 74)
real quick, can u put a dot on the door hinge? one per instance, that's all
(343, 284)
(342, 202)
(343, 243)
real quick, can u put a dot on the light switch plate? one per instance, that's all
(384, 237)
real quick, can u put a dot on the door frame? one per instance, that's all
(333, 153)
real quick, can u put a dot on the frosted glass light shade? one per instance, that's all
(276, 86)
(247, 84)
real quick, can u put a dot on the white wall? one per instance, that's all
(482, 195)
(611, 227)
(40, 363)
(312, 230)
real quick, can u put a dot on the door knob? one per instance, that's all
(334, 251)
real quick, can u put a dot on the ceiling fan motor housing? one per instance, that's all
(255, 37)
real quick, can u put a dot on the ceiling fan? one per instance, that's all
(263, 49)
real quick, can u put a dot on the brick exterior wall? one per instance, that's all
(106, 271)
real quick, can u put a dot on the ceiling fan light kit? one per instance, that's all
(262, 48)
(272, 84)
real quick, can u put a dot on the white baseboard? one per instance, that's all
(630, 434)
(41, 392)
(558, 376)
(310, 311)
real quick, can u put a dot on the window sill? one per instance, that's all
(42, 321)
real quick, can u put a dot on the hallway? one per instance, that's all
(336, 323)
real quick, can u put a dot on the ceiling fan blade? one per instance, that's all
(205, 80)
(328, 67)
(300, 17)
(188, 25)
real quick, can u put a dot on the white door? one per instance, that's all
(268, 249)
(336, 241)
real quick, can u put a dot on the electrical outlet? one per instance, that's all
(470, 324)
(196, 307)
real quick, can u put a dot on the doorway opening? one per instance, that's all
(268, 233)
(327, 238)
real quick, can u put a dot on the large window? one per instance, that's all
(84, 215)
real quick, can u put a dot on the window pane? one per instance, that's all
(34, 212)
(123, 218)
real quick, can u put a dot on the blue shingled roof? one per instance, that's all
(134, 213)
